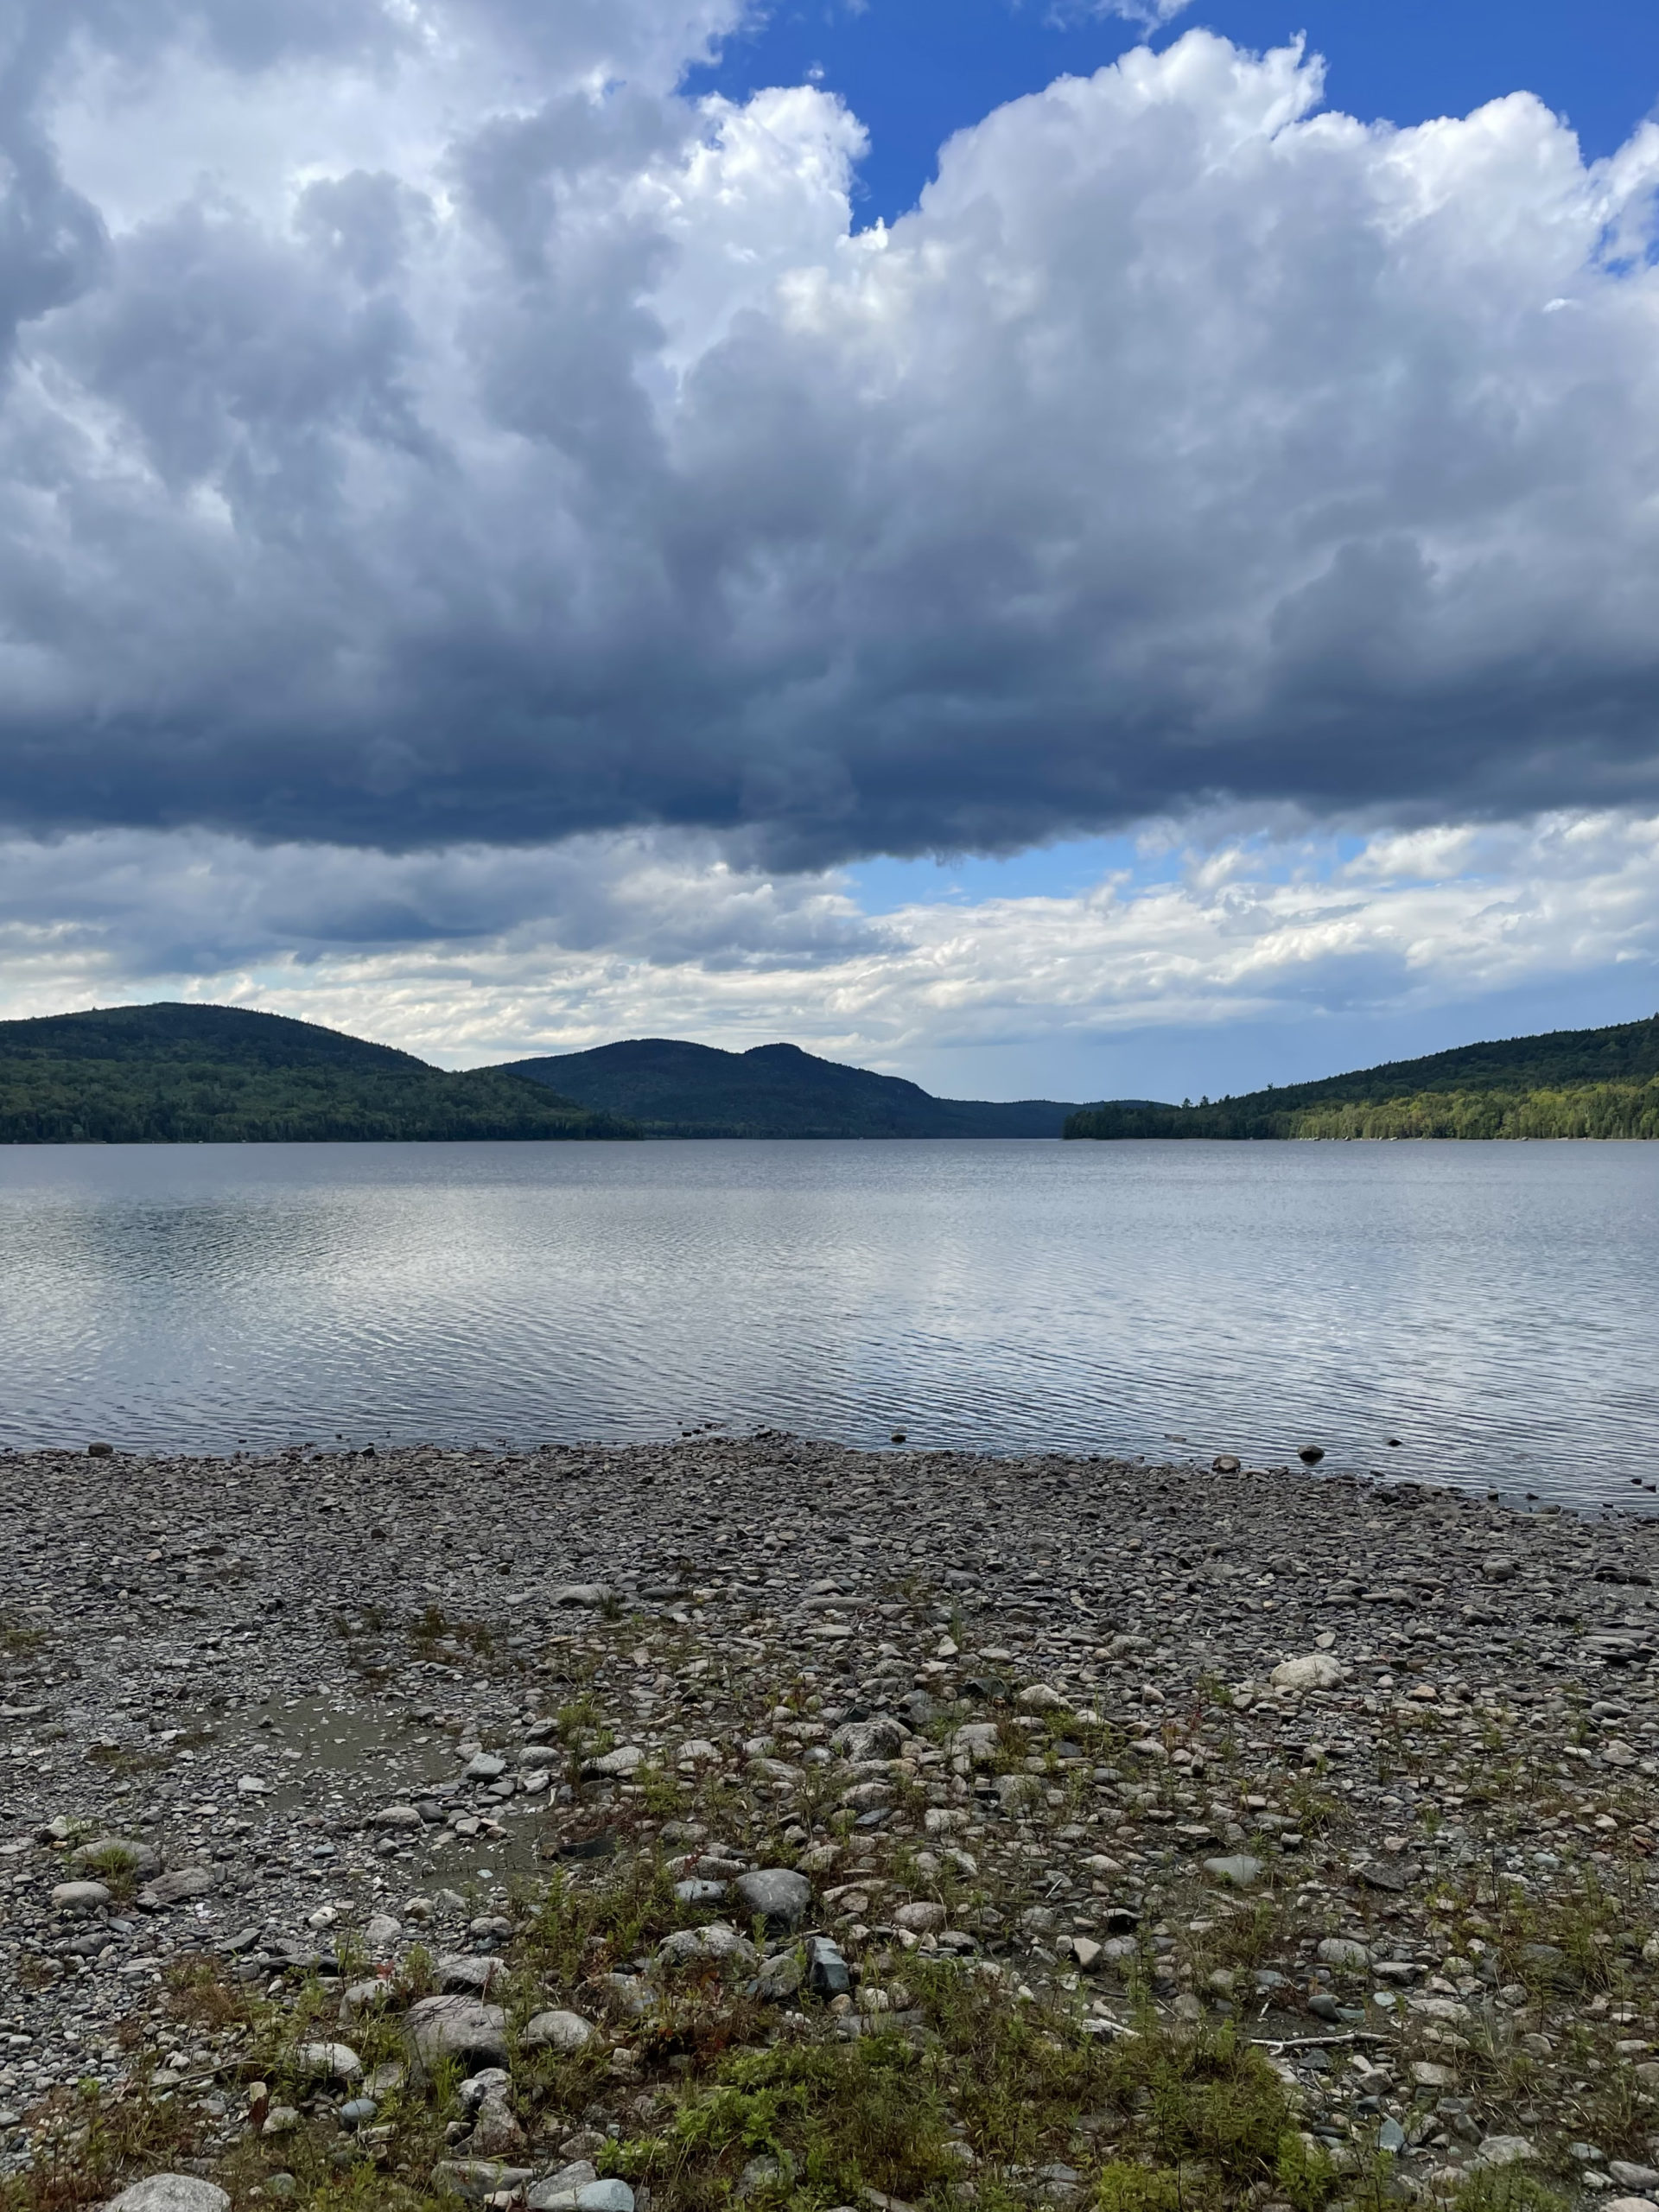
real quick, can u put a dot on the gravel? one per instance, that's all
(252, 1705)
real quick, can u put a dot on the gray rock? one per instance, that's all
(170, 2193)
(605, 2196)
(627, 1995)
(691, 1946)
(1504, 2150)
(457, 2027)
(487, 2082)
(483, 1766)
(827, 1971)
(395, 1816)
(777, 1896)
(80, 1896)
(474, 2179)
(331, 2062)
(615, 1764)
(495, 2131)
(867, 1739)
(558, 2192)
(1642, 2178)
(557, 2031)
(922, 1919)
(976, 1740)
(139, 1858)
(698, 1892)
(1343, 1952)
(781, 1975)
(362, 1997)
(589, 1594)
(173, 1887)
(465, 1973)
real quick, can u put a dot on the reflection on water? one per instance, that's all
(1491, 1305)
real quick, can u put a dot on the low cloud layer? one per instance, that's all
(467, 956)
(423, 427)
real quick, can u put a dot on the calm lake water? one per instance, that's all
(1493, 1306)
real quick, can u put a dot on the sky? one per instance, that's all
(1056, 550)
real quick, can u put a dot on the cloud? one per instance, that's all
(424, 426)
(1150, 14)
(472, 956)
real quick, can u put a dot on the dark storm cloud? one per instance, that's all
(550, 458)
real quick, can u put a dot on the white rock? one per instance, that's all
(1504, 2150)
(622, 1761)
(1317, 1670)
(1238, 1870)
(1043, 1697)
(332, 2062)
(170, 2193)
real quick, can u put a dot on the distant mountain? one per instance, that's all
(1568, 1083)
(174, 1074)
(675, 1089)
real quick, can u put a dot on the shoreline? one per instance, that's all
(1011, 1721)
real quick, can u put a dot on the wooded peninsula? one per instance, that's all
(1571, 1083)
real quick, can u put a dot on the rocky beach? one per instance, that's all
(634, 1830)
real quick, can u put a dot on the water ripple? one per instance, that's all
(1493, 1306)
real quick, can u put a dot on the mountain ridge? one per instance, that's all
(674, 1088)
(175, 1072)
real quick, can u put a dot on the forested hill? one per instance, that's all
(175, 1074)
(677, 1089)
(1569, 1083)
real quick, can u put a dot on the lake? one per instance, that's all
(1491, 1305)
